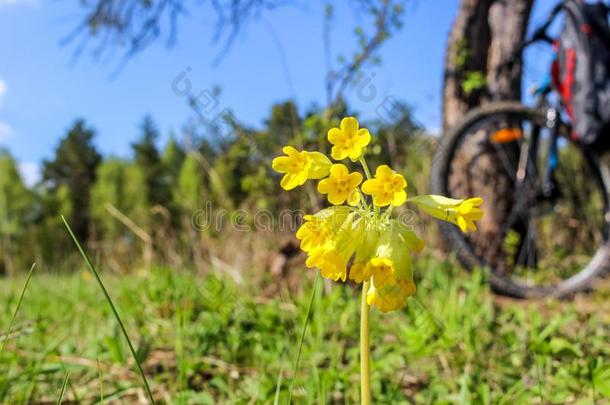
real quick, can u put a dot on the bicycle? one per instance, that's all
(546, 196)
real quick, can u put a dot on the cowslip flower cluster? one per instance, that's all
(356, 238)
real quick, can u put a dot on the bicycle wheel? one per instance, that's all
(535, 242)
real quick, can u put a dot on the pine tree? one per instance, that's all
(108, 189)
(121, 184)
(172, 159)
(188, 190)
(148, 159)
(284, 122)
(16, 205)
(74, 167)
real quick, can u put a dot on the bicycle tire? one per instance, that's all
(452, 237)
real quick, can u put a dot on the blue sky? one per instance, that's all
(279, 56)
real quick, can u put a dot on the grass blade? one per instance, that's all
(99, 377)
(63, 388)
(296, 363)
(539, 378)
(276, 401)
(114, 311)
(10, 325)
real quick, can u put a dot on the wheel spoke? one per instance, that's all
(544, 224)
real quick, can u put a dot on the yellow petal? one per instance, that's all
(354, 179)
(383, 171)
(324, 186)
(336, 198)
(349, 126)
(334, 135)
(355, 153)
(290, 151)
(363, 137)
(338, 153)
(381, 200)
(338, 170)
(461, 222)
(399, 198)
(292, 180)
(370, 186)
(310, 262)
(464, 208)
(280, 164)
(400, 180)
(359, 272)
(471, 226)
(475, 201)
(476, 214)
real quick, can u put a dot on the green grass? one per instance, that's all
(118, 319)
(205, 340)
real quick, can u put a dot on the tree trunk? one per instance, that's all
(508, 25)
(484, 35)
(466, 53)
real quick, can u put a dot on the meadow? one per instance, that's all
(203, 338)
(205, 297)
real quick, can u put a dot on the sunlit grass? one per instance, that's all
(204, 339)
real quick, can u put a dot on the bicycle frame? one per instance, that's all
(553, 118)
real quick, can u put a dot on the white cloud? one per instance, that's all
(5, 131)
(30, 172)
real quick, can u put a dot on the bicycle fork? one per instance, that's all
(527, 169)
(526, 185)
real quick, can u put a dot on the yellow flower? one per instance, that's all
(330, 262)
(331, 256)
(341, 185)
(349, 140)
(390, 269)
(300, 166)
(382, 268)
(386, 188)
(312, 233)
(391, 297)
(379, 248)
(462, 213)
(360, 270)
(321, 227)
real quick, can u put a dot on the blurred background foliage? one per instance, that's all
(148, 208)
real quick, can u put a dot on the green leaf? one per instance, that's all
(559, 345)
(601, 380)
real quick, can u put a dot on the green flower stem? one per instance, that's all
(367, 172)
(365, 362)
(362, 203)
(388, 212)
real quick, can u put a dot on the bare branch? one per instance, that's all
(387, 21)
(136, 24)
